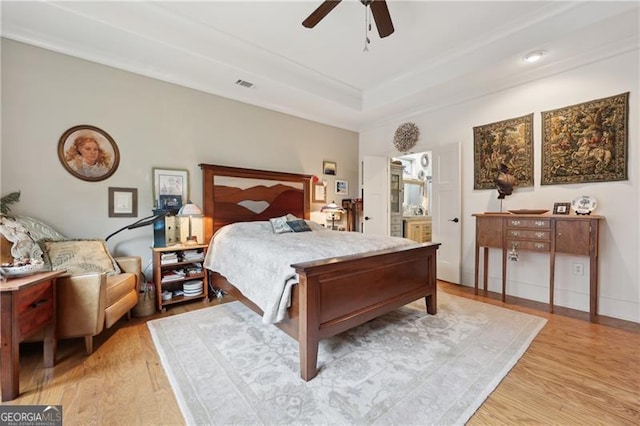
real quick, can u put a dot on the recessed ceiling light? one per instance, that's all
(533, 56)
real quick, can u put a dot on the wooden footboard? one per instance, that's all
(333, 295)
(337, 294)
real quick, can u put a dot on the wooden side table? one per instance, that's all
(567, 234)
(26, 305)
(180, 262)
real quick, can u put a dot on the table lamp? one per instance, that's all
(333, 212)
(190, 210)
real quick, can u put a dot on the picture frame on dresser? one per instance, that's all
(561, 208)
(170, 185)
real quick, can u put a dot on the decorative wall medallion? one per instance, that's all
(406, 137)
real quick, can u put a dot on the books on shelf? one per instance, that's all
(192, 255)
(174, 275)
(168, 258)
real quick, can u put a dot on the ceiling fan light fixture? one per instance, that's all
(533, 56)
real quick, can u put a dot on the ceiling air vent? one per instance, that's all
(244, 83)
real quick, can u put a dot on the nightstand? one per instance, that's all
(26, 305)
(179, 271)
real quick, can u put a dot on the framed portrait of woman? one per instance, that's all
(88, 153)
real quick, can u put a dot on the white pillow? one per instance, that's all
(279, 225)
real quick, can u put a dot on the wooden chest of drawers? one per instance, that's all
(528, 234)
(569, 234)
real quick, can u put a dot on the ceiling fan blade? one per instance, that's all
(381, 16)
(322, 11)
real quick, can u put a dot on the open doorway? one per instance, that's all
(416, 178)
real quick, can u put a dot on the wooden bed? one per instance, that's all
(332, 295)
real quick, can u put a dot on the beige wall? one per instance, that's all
(618, 201)
(154, 124)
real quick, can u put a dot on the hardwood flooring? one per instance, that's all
(574, 373)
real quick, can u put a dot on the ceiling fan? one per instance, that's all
(379, 10)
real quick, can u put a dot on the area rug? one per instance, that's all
(406, 367)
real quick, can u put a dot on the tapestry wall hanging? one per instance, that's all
(586, 142)
(508, 142)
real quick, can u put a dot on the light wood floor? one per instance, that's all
(574, 373)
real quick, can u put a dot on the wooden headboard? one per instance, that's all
(233, 194)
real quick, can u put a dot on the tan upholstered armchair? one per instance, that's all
(87, 301)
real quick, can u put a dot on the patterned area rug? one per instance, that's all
(406, 367)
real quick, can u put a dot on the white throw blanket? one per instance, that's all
(258, 262)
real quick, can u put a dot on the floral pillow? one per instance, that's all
(79, 256)
(279, 225)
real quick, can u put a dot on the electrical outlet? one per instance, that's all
(578, 268)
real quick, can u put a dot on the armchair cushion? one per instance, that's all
(79, 256)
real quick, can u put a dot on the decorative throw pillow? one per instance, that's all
(79, 256)
(299, 225)
(279, 225)
(24, 246)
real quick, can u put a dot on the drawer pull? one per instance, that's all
(539, 245)
(540, 223)
(38, 303)
(515, 233)
(540, 234)
(515, 222)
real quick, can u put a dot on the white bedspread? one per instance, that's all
(258, 262)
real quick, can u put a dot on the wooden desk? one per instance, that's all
(569, 234)
(26, 305)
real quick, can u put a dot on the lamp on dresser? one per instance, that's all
(190, 210)
(333, 213)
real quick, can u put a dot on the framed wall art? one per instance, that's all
(170, 188)
(586, 142)
(329, 168)
(88, 153)
(508, 142)
(123, 202)
(342, 187)
(319, 193)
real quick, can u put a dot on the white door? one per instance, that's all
(375, 197)
(446, 210)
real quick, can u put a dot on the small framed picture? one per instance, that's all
(123, 202)
(342, 187)
(170, 188)
(319, 193)
(329, 168)
(561, 208)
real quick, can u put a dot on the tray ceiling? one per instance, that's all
(441, 53)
